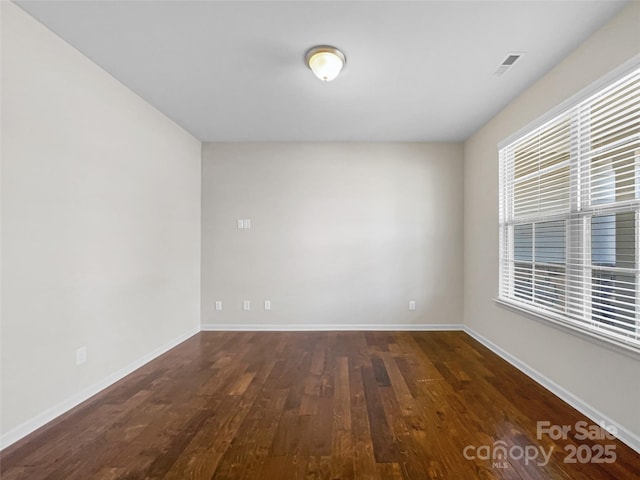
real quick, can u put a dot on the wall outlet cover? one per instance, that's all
(81, 355)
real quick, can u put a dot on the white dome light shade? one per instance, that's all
(326, 62)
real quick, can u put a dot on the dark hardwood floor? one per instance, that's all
(325, 405)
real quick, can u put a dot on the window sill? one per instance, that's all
(618, 346)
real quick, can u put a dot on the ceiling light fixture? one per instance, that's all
(325, 62)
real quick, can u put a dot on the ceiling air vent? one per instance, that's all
(507, 63)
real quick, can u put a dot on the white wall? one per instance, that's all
(606, 380)
(341, 234)
(100, 226)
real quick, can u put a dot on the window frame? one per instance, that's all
(579, 221)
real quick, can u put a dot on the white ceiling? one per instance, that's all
(234, 71)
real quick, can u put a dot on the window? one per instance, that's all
(570, 216)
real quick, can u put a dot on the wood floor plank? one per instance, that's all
(380, 371)
(201, 457)
(384, 446)
(315, 405)
(397, 381)
(320, 429)
(364, 462)
(390, 471)
(409, 459)
(263, 437)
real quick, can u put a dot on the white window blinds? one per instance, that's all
(570, 216)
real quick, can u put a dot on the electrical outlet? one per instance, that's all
(81, 355)
(246, 305)
(218, 305)
(247, 223)
(412, 304)
(240, 224)
(267, 304)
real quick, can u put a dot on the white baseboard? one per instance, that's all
(235, 327)
(51, 413)
(624, 435)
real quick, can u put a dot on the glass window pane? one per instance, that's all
(522, 283)
(526, 198)
(614, 299)
(613, 240)
(550, 287)
(550, 242)
(523, 242)
(549, 147)
(555, 191)
(603, 240)
(542, 194)
(616, 115)
(626, 240)
(613, 175)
